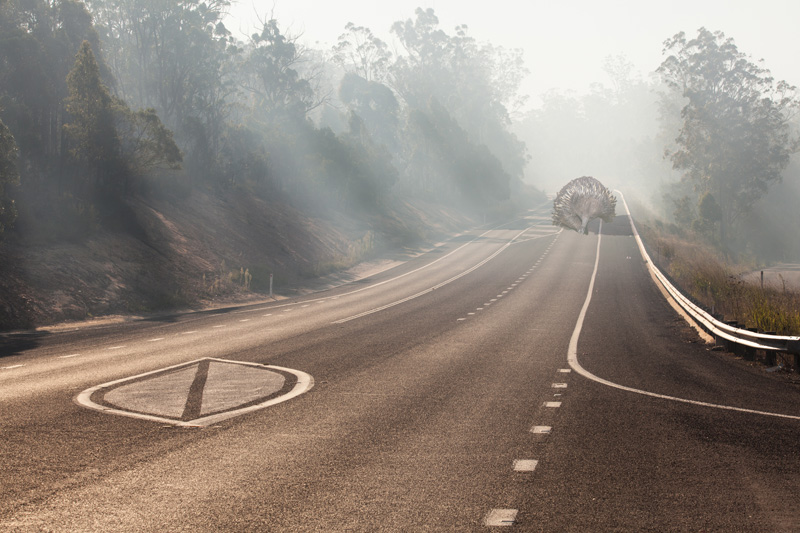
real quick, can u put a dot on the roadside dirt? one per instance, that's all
(202, 252)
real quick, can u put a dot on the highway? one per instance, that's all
(440, 396)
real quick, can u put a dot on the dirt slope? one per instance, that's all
(202, 251)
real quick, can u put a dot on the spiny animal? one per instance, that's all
(580, 201)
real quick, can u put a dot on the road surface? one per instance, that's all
(435, 396)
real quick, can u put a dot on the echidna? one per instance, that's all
(580, 201)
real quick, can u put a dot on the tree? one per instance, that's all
(361, 53)
(735, 139)
(8, 177)
(91, 131)
(145, 143)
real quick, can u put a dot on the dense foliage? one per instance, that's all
(114, 98)
(735, 139)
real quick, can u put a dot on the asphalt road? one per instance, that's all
(442, 400)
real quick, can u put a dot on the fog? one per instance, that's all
(350, 106)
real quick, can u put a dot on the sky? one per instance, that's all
(564, 42)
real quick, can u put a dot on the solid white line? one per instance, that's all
(572, 358)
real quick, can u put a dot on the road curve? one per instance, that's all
(443, 400)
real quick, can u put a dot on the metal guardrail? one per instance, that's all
(728, 332)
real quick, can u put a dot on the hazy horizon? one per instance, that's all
(564, 43)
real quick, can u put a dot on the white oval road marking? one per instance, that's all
(175, 394)
(500, 517)
(572, 355)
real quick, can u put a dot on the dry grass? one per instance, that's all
(719, 287)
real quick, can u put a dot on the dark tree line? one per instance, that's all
(118, 97)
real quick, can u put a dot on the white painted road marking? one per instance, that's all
(12, 367)
(197, 393)
(430, 289)
(552, 404)
(500, 517)
(525, 465)
(541, 430)
(559, 385)
(572, 355)
(157, 339)
(68, 356)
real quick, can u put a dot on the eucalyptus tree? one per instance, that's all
(360, 52)
(735, 139)
(272, 64)
(91, 132)
(171, 56)
(477, 84)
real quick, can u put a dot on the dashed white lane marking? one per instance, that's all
(156, 339)
(68, 356)
(541, 430)
(470, 314)
(552, 404)
(268, 314)
(500, 517)
(116, 347)
(430, 289)
(565, 370)
(189, 332)
(12, 367)
(220, 326)
(479, 308)
(460, 319)
(572, 356)
(559, 385)
(245, 320)
(525, 465)
(305, 305)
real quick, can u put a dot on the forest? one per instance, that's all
(121, 117)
